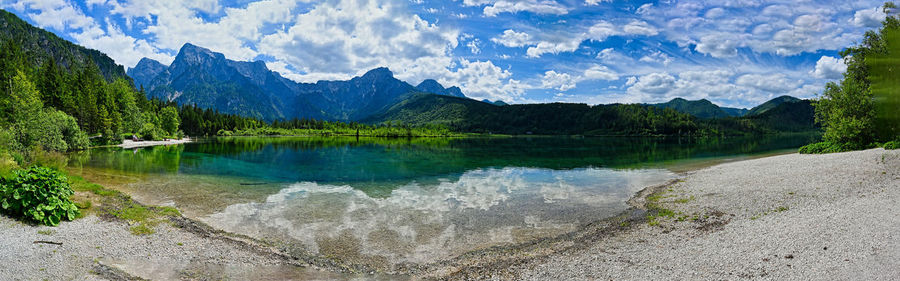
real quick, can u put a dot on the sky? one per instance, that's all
(736, 53)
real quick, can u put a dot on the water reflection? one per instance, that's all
(387, 201)
(399, 161)
(426, 222)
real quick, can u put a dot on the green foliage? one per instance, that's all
(38, 194)
(150, 132)
(35, 126)
(169, 120)
(884, 75)
(847, 110)
(822, 147)
(892, 145)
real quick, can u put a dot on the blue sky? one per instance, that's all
(733, 52)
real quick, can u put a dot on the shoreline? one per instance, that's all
(129, 144)
(659, 217)
(808, 217)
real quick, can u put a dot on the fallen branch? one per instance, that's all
(47, 242)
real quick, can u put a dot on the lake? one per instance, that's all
(389, 202)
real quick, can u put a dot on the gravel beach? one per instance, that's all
(789, 217)
(96, 249)
(129, 144)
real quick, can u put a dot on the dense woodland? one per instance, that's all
(580, 119)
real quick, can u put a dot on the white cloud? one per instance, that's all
(718, 45)
(631, 81)
(494, 7)
(784, 28)
(559, 42)
(473, 46)
(657, 57)
(654, 84)
(829, 68)
(595, 2)
(554, 46)
(870, 18)
(600, 72)
(773, 83)
(640, 28)
(559, 81)
(483, 79)
(174, 23)
(603, 29)
(349, 37)
(511, 38)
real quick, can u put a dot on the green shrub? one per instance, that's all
(821, 147)
(150, 132)
(38, 194)
(892, 145)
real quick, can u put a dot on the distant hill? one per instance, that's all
(432, 86)
(498, 102)
(209, 80)
(771, 104)
(550, 118)
(701, 108)
(40, 46)
(787, 116)
(736, 112)
(568, 118)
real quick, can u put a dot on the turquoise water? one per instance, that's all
(384, 202)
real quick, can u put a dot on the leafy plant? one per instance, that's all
(892, 145)
(821, 148)
(38, 194)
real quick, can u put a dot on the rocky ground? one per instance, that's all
(790, 217)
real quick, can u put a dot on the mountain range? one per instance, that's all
(705, 109)
(207, 79)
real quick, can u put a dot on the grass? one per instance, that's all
(142, 218)
(684, 200)
(118, 205)
(45, 232)
(657, 211)
(776, 210)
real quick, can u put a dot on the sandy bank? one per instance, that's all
(129, 144)
(790, 217)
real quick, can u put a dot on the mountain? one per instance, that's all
(791, 115)
(498, 102)
(432, 86)
(207, 79)
(357, 98)
(469, 115)
(771, 104)
(39, 46)
(145, 70)
(736, 112)
(567, 118)
(701, 108)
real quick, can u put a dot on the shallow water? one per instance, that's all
(383, 202)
